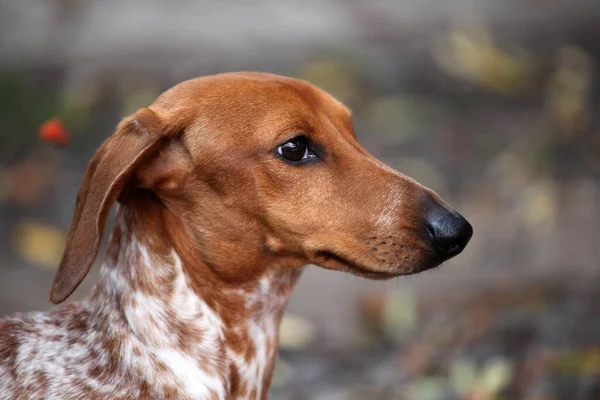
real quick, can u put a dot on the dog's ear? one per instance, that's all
(136, 143)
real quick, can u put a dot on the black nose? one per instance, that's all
(449, 232)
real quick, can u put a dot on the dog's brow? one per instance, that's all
(291, 131)
(284, 126)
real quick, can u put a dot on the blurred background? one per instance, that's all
(493, 104)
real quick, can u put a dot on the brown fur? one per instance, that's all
(196, 173)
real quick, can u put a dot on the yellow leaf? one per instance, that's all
(40, 244)
(496, 375)
(473, 55)
(295, 332)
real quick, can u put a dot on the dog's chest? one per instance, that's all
(188, 347)
(144, 333)
(210, 365)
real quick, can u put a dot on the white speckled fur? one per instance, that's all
(118, 344)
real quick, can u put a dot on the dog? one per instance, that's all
(227, 185)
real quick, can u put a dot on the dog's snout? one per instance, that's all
(448, 231)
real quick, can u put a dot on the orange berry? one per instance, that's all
(54, 131)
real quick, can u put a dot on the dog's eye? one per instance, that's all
(296, 149)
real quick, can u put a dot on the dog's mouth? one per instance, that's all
(335, 261)
(330, 260)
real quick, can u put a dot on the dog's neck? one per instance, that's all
(220, 340)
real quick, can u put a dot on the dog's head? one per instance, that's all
(258, 171)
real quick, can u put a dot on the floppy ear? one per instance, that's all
(136, 140)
